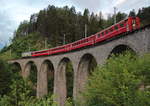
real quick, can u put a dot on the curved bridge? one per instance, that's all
(138, 41)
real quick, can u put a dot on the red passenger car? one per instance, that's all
(83, 42)
(40, 53)
(124, 26)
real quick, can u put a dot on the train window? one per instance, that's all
(102, 33)
(110, 29)
(116, 27)
(99, 35)
(106, 31)
(121, 25)
(134, 23)
(74, 44)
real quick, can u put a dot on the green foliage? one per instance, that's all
(41, 102)
(26, 43)
(116, 83)
(69, 76)
(22, 29)
(51, 24)
(5, 78)
(50, 84)
(119, 81)
(69, 102)
(16, 91)
(20, 95)
(132, 13)
(120, 16)
(5, 101)
(20, 92)
(33, 79)
(33, 74)
(143, 14)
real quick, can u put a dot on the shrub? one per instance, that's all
(20, 95)
(5, 78)
(119, 82)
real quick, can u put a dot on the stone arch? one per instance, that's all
(27, 68)
(119, 49)
(61, 88)
(85, 67)
(30, 73)
(46, 78)
(16, 67)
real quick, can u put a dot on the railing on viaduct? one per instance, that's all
(81, 60)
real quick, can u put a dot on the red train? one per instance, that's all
(128, 25)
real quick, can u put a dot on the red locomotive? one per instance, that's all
(128, 25)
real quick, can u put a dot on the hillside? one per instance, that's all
(46, 29)
(122, 81)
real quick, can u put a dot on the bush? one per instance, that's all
(16, 91)
(5, 78)
(122, 81)
(20, 95)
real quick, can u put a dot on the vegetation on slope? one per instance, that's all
(5, 78)
(116, 83)
(47, 28)
(16, 91)
(122, 81)
(50, 25)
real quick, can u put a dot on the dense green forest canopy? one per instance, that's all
(47, 28)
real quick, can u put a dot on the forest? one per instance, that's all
(116, 83)
(47, 28)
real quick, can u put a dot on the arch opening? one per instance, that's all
(120, 49)
(64, 81)
(31, 75)
(46, 78)
(69, 78)
(16, 68)
(50, 75)
(66, 66)
(87, 63)
(86, 66)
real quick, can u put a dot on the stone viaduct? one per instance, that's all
(138, 41)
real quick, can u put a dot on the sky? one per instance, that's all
(12, 12)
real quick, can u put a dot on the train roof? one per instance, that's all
(112, 25)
